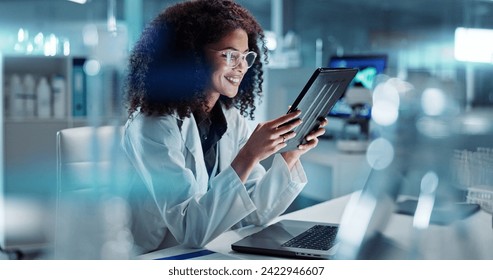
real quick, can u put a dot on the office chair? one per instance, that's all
(92, 179)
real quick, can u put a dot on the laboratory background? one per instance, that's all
(419, 113)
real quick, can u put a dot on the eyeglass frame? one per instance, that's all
(241, 58)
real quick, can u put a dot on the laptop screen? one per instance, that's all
(367, 213)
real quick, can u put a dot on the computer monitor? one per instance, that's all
(369, 67)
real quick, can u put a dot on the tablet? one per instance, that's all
(317, 98)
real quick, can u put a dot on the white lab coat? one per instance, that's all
(181, 200)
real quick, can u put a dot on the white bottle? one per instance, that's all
(59, 95)
(43, 93)
(29, 85)
(16, 101)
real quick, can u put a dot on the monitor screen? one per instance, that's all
(369, 67)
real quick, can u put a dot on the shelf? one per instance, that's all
(35, 120)
(37, 65)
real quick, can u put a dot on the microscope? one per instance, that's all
(355, 131)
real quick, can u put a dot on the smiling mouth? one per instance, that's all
(233, 80)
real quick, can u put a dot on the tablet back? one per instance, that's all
(317, 98)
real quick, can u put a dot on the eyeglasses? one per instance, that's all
(233, 58)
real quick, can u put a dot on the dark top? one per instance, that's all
(212, 127)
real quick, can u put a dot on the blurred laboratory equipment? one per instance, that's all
(29, 86)
(16, 102)
(432, 164)
(43, 93)
(59, 96)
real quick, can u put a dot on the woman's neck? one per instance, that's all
(211, 100)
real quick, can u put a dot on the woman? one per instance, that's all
(193, 78)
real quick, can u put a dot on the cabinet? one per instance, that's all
(21, 104)
(29, 139)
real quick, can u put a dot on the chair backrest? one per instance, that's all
(89, 158)
(92, 178)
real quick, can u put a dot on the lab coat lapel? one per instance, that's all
(225, 151)
(192, 142)
(226, 147)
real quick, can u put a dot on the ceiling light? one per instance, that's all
(78, 1)
(474, 45)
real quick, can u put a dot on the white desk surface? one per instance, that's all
(471, 238)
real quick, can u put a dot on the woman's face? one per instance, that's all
(225, 79)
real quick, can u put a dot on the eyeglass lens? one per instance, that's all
(234, 58)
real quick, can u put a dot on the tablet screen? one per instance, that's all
(319, 95)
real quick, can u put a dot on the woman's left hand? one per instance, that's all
(312, 141)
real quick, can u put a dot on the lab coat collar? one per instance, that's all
(191, 138)
(226, 142)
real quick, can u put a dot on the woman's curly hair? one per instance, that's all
(168, 70)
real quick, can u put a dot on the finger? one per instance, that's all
(285, 118)
(282, 143)
(309, 145)
(315, 134)
(282, 140)
(323, 121)
(288, 127)
(288, 136)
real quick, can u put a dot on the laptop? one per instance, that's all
(314, 240)
(293, 239)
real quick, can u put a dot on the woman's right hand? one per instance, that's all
(267, 138)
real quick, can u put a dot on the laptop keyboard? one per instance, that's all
(318, 237)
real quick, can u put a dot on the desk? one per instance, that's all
(471, 238)
(329, 212)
